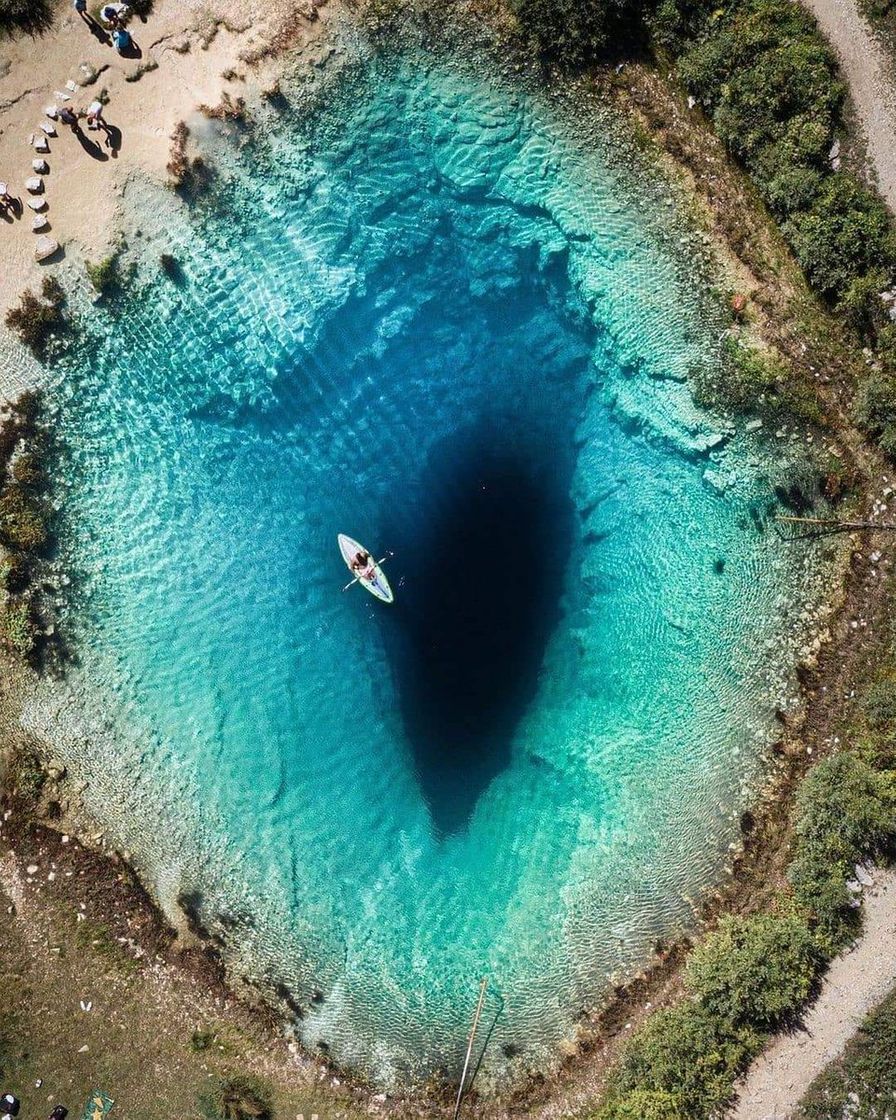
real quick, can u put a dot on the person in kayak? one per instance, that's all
(362, 565)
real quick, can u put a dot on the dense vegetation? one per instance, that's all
(754, 973)
(862, 1084)
(768, 80)
(24, 522)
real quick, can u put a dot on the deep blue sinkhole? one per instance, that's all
(481, 579)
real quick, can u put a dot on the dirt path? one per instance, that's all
(865, 68)
(856, 982)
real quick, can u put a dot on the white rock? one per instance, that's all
(835, 150)
(37, 204)
(753, 425)
(39, 222)
(52, 112)
(41, 145)
(45, 248)
(863, 875)
(40, 166)
(46, 127)
(34, 184)
(31, 869)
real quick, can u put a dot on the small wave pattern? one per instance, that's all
(424, 316)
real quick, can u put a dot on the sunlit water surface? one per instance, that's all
(431, 315)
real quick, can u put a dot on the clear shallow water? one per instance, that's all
(426, 316)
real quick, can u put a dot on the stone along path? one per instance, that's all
(871, 83)
(855, 983)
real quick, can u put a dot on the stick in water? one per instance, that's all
(463, 1077)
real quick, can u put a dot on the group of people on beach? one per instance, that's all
(113, 17)
(94, 117)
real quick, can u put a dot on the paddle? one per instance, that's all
(358, 578)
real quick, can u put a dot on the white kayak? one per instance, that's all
(372, 576)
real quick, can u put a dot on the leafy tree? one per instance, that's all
(845, 233)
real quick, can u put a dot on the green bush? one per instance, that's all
(201, 1040)
(845, 812)
(572, 31)
(688, 1054)
(879, 704)
(15, 573)
(876, 408)
(769, 81)
(643, 1105)
(754, 971)
(846, 233)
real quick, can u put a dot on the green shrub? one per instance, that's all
(754, 971)
(573, 31)
(845, 234)
(237, 1098)
(687, 1054)
(737, 383)
(23, 523)
(643, 1105)
(879, 704)
(845, 812)
(15, 573)
(769, 81)
(876, 408)
(201, 1040)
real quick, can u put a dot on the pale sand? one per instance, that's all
(856, 983)
(194, 45)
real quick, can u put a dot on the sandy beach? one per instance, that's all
(188, 55)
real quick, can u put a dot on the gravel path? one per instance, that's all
(855, 983)
(865, 68)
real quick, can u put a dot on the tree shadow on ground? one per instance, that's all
(31, 17)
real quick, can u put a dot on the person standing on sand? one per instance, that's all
(96, 121)
(95, 116)
(80, 7)
(66, 116)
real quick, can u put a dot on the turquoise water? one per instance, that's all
(431, 314)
